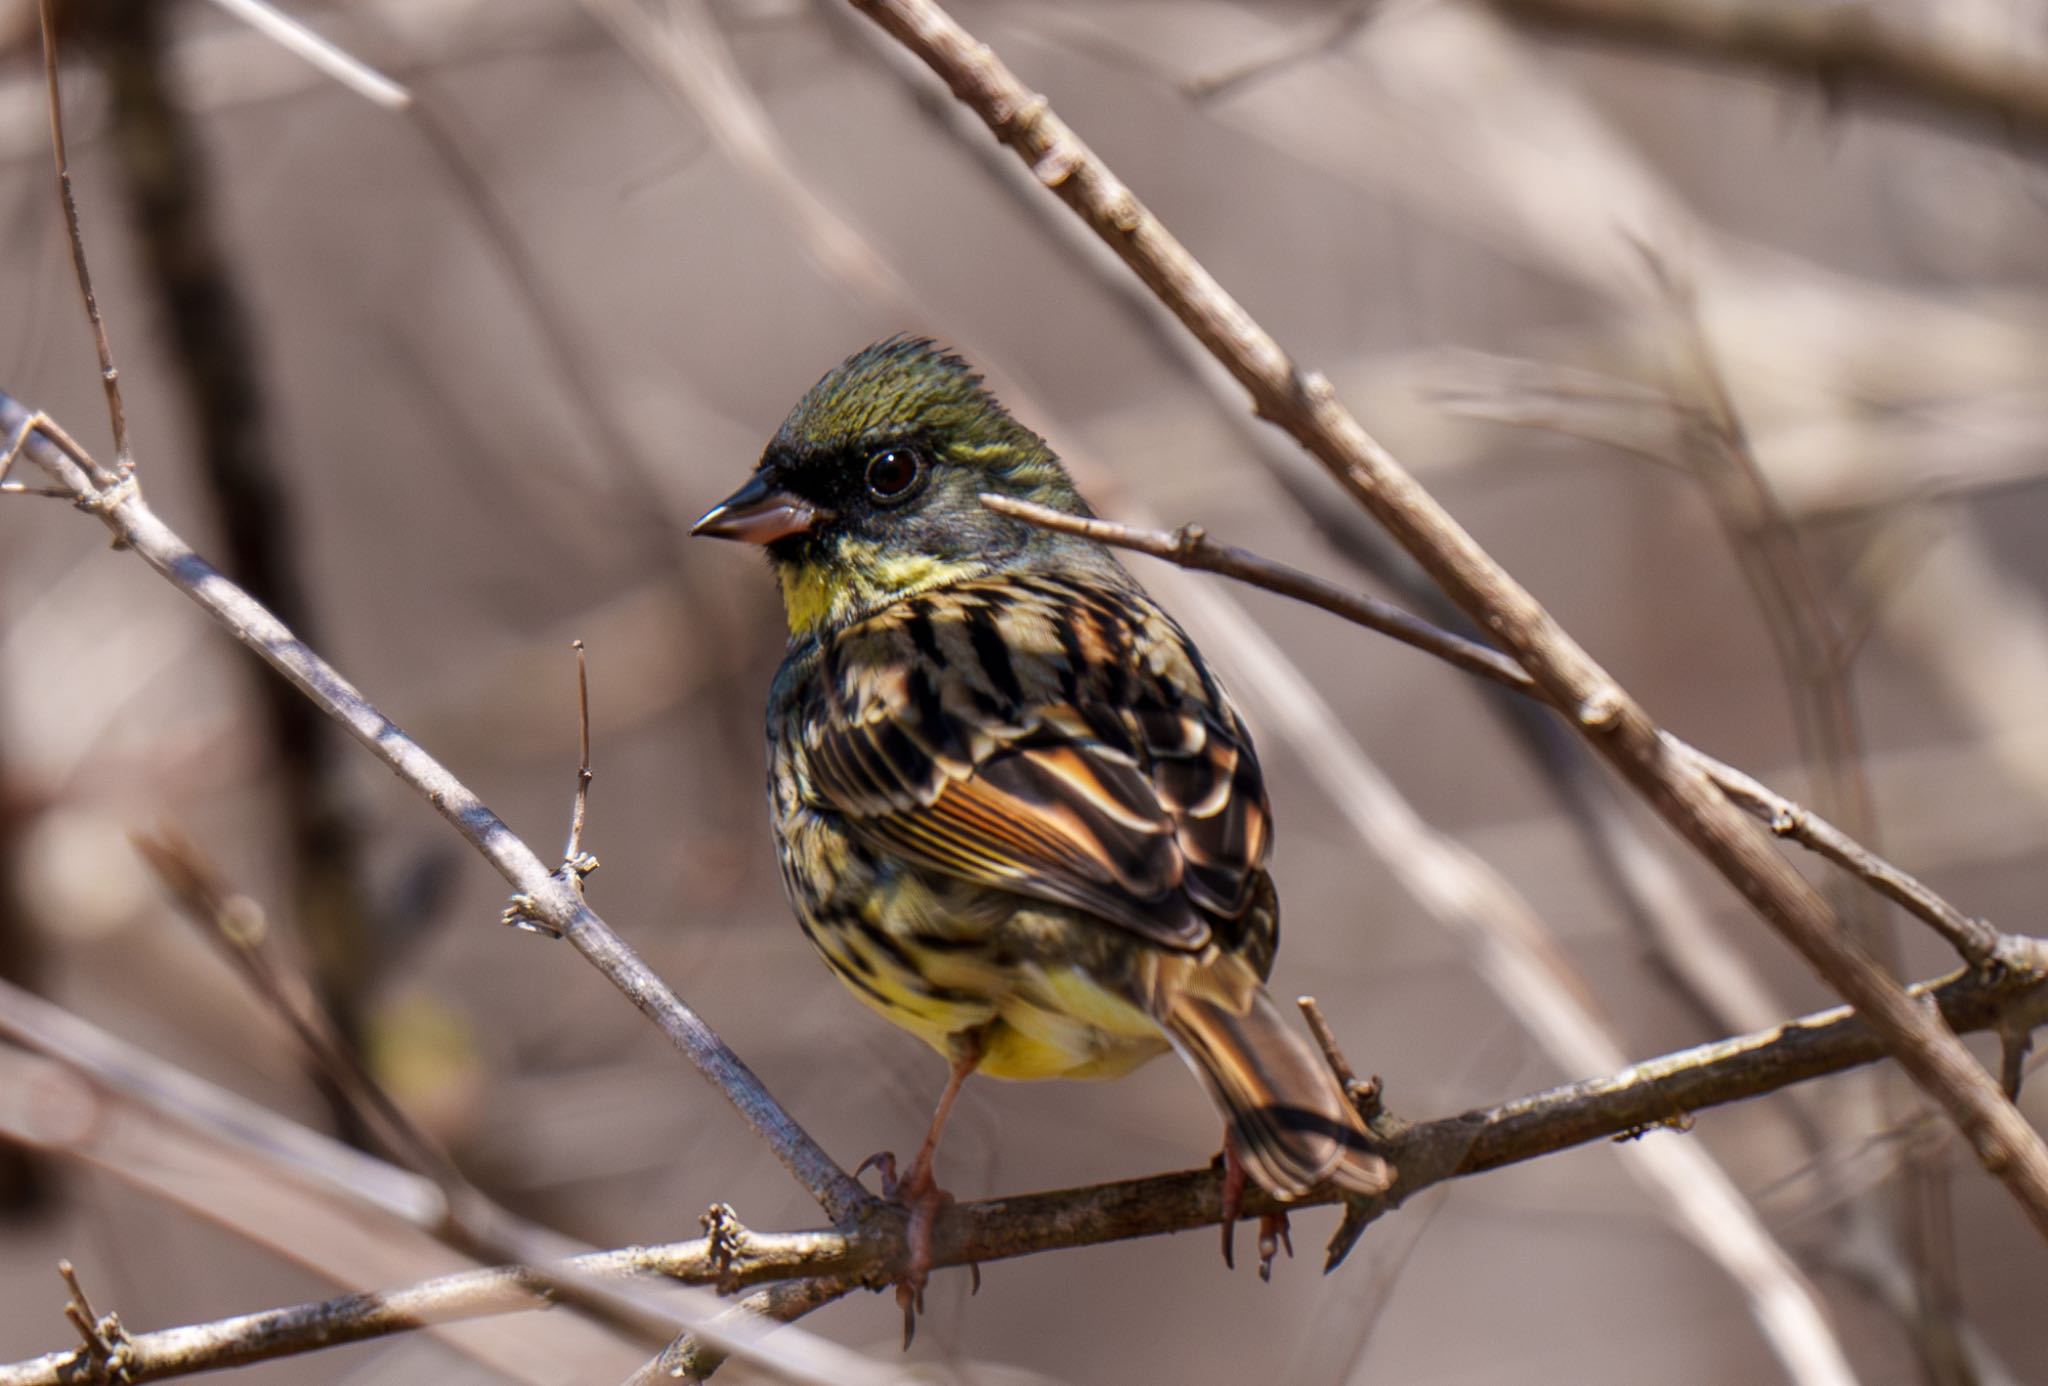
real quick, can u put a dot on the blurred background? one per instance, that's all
(1738, 370)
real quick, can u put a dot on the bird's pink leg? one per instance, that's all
(919, 1191)
(1273, 1231)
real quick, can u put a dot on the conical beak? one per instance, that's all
(759, 514)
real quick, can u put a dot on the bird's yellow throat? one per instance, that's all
(815, 595)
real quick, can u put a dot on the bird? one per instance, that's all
(1015, 810)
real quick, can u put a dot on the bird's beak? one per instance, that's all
(759, 514)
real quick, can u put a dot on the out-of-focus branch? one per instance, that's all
(1845, 48)
(24, 1178)
(1976, 940)
(295, 38)
(215, 356)
(694, 1356)
(1631, 1103)
(544, 895)
(1307, 407)
(475, 1224)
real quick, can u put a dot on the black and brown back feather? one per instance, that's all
(1055, 737)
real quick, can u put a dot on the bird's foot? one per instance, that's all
(1273, 1231)
(920, 1195)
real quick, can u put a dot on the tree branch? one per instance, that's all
(1306, 406)
(1631, 1103)
(1839, 46)
(544, 894)
(1977, 941)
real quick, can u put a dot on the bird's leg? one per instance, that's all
(1273, 1230)
(919, 1191)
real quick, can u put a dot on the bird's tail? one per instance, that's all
(1293, 1125)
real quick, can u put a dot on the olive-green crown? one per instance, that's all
(911, 389)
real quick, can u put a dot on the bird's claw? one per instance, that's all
(919, 1195)
(1273, 1236)
(885, 1161)
(1233, 1202)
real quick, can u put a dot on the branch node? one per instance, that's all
(1601, 709)
(110, 498)
(1022, 119)
(1123, 210)
(1056, 166)
(727, 1236)
(522, 911)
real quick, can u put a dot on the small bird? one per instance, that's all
(1016, 812)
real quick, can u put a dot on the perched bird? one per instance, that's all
(1016, 812)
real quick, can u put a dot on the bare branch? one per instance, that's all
(110, 379)
(1636, 1101)
(1842, 47)
(1307, 407)
(544, 895)
(1976, 940)
(295, 38)
(693, 1356)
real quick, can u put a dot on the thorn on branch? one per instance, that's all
(2014, 1044)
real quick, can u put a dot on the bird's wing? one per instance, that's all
(1050, 736)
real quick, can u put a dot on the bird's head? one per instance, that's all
(870, 491)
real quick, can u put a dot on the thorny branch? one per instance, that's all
(1613, 723)
(1636, 1101)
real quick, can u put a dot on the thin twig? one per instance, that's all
(1638, 1099)
(543, 894)
(572, 854)
(1975, 940)
(1838, 46)
(110, 379)
(239, 928)
(103, 1339)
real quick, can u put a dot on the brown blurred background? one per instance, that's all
(508, 343)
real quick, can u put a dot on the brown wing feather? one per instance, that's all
(1126, 789)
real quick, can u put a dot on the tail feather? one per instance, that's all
(1294, 1126)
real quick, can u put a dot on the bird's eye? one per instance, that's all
(894, 473)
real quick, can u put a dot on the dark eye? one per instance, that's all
(893, 473)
